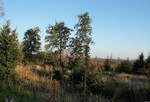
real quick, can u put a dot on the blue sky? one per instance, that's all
(120, 27)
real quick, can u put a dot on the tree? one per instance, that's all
(81, 43)
(139, 63)
(9, 50)
(95, 82)
(57, 38)
(31, 43)
(147, 63)
(124, 66)
(107, 65)
(76, 54)
(50, 59)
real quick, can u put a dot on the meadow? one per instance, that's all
(34, 84)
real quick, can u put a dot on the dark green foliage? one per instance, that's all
(71, 63)
(57, 75)
(109, 88)
(77, 72)
(17, 93)
(126, 94)
(77, 75)
(83, 35)
(124, 66)
(107, 65)
(31, 43)
(10, 54)
(81, 43)
(139, 63)
(147, 66)
(94, 82)
(147, 63)
(57, 38)
(39, 58)
(50, 59)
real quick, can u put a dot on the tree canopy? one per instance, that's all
(31, 43)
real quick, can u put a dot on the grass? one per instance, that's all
(34, 84)
(121, 87)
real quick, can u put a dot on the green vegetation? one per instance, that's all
(31, 43)
(57, 38)
(64, 72)
(9, 51)
(124, 66)
(107, 65)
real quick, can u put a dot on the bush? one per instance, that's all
(139, 64)
(50, 59)
(57, 75)
(107, 65)
(124, 66)
(94, 82)
(78, 75)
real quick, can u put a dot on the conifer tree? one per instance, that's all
(31, 43)
(139, 63)
(147, 63)
(9, 50)
(107, 65)
(82, 41)
(57, 38)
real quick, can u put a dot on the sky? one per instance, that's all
(121, 28)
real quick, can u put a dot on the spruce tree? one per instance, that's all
(31, 43)
(139, 63)
(9, 50)
(147, 63)
(107, 65)
(82, 41)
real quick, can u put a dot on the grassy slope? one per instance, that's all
(34, 83)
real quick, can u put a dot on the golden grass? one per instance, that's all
(124, 75)
(26, 74)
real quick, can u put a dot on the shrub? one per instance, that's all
(50, 59)
(107, 65)
(57, 75)
(124, 66)
(78, 75)
(139, 64)
(94, 82)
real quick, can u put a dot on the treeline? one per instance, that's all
(58, 42)
(139, 66)
(67, 54)
(61, 49)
